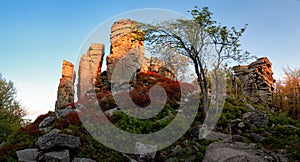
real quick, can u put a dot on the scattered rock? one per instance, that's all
(57, 156)
(53, 139)
(238, 138)
(241, 124)
(63, 112)
(217, 136)
(145, 151)
(249, 106)
(237, 151)
(45, 125)
(219, 151)
(27, 155)
(83, 160)
(256, 119)
(111, 111)
(176, 150)
(256, 137)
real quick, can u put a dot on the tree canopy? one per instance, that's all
(11, 111)
(208, 44)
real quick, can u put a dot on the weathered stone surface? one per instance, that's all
(125, 36)
(65, 92)
(256, 119)
(217, 136)
(220, 151)
(57, 156)
(256, 79)
(53, 139)
(145, 151)
(27, 155)
(237, 151)
(63, 112)
(160, 67)
(83, 160)
(45, 125)
(90, 68)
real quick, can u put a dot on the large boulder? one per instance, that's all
(57, 156)
(27, 155)
(237, 151)
(54, 139)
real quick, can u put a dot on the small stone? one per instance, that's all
(145, 151)
(83, 160)
(241, 124)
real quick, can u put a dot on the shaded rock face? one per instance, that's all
(53, 139)
(89, 69)
(27, 155)
(256, 79)
(57, 156)
(125, 37)
(83, 160)
(65, 92)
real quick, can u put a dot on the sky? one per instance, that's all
(37, 35)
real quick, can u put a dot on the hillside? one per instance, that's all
(114, 114)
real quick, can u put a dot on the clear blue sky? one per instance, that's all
(36, 35)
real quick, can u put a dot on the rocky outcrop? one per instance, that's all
(125, 37)
(237, 151)
(89, 69)
(256, 79)
(65, 92)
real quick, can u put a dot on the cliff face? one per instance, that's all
(89, 69)
(65, 92)
(125, 37)
(256, 79)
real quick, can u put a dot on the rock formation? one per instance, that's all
(65, 92)
(256, 79)
(89, 69)
(125, 37)
(237, 151)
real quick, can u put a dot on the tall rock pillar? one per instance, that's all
(125, 37)
(89, 69)
(65, 92)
